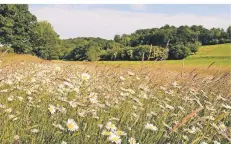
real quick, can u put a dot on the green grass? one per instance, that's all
(219, 55)
(142, 96)
(220, 50)
(130, 100)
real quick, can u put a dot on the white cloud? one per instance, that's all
(138, 7)
(105, 23)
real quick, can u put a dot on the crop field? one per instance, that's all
(60, 102)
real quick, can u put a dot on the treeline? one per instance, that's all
(20, 32)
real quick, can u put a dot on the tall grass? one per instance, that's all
(150, 106)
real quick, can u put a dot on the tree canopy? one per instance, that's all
(22, 33)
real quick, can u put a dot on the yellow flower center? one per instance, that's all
(115, 139)
(70, 126)
(51, 109)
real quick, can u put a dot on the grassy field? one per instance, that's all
(206, 55)
(60, 102)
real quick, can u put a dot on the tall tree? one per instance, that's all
(16, 24)
(46, 41)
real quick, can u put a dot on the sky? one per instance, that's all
(105, 21)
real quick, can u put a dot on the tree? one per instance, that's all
(93, 53)
(229, 32)
(117, 38)
(194, 46)
(16, 25)
(178, 51)
(46, 41)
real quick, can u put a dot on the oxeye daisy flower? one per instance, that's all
(11, 116)
(11, 98)
(132, 141)
(106, 133)
(216, 142)
(226, 106)
(52, 109)
(71, 125)
(122, 78)
(16, 137)
(34, 130)
(68, 84)
(192, 130)
(114, 138)
(73, 104)
(151, 127)
(93, 99)
(85, 76)
(9, 110)
(120, 133)
(111, 126)
(131, 73)
(63, 142)
(222, 127)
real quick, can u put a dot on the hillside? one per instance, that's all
(220, 50)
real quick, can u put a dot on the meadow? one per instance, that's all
(57, 102)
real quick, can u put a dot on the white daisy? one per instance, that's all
(63, 142)
(192, 130)
(34, 130)
(132, 141)
(72, 126)
(73, 104)
(11, 98)
(120, 133)
(226, 106)
(9, 110)
(52, 109)
(111, 126)
(216, 142)
(114, 138)
(16, 137)
(151, 127)
(106, 133)
(85, 76)
(93, 99)
(131, 73)
(122, 78)
(222, 127)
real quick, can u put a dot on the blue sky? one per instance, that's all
(107, 20)
(203, 10)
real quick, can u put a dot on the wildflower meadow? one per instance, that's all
(63, 103)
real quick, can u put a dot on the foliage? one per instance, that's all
(46, 42)
(93, 53)
(20, 29)
(178, 51)
(16, 24)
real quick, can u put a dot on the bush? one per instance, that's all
(179, 52)
(93, 53)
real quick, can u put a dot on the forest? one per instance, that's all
(22, 33)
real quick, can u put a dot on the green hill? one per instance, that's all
(220, 50)
(217, 54)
